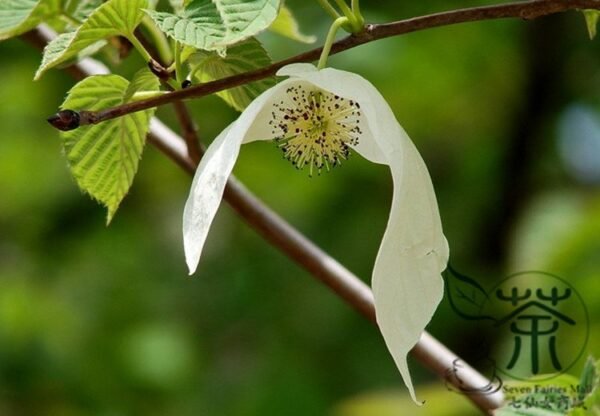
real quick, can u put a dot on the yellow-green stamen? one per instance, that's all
(315, 128)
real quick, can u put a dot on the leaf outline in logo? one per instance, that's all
(465, 295)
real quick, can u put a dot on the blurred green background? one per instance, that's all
(98, 320)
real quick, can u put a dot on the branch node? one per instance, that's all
(160, 71)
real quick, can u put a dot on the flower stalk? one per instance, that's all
(337, 23)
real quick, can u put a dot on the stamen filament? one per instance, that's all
(315, 128)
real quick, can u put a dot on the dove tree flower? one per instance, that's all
(317, 117)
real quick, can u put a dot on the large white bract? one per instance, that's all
(317, 116)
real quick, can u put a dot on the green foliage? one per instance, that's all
(214, 25)
(243, 57)
(178, 5)
(591, 21)
(199, 25)
(115, 17)
(19, 16)
(286, 25)
(589, 386)
(104, 158)
(81, 9)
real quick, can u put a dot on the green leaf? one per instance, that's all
(80, 10)
(115, 17)
(62, 41)
(200, 25)
(19, 16)
(286, 25)
(591, 20)
(245, 18)
(214, 25)
(589, 390)
(104, 157)
(589, 378)
(243, 57)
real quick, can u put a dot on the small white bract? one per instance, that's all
(316, 117)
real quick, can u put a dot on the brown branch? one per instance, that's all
(525, 10)
(430, 352)
(188, 131)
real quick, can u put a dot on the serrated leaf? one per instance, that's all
(60, 42)
(246, 18)
(286, 25)
(591, 20)
(104, 157)
(115, 17)
(243, 57)
(200, 25)
(19, 16)
(81, 9)
(214, 25)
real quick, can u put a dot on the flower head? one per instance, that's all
(315, 127)
(317, 117)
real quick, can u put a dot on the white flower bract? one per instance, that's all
(407, 284)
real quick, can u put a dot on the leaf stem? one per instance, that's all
(356, 11)
(175, 85)
(178, 67)
(159, 39)
(329, 8)
(139, 47)
(344, 7)
(337, 23)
